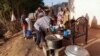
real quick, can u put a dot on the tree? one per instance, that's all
(17, 6)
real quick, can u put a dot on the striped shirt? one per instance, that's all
(43, 23)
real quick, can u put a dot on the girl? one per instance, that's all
(59, 16)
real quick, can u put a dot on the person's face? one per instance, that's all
(65, 9)
(54, 20)
(59, 8)
(39, 8)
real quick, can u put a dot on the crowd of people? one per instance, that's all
(45, 22)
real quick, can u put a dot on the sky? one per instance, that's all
(50, 2)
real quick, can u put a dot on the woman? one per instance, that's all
(66, 15)
(59, 16)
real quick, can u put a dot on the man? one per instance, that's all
(41, 25)
(38, 11)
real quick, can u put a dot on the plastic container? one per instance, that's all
(67, 33)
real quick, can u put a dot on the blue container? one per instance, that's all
(66, 34)
(29, 33)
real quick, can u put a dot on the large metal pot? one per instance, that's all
(54, 41)
(74, 50)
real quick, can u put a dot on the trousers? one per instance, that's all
(40, 36)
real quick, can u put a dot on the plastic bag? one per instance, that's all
(13, 18)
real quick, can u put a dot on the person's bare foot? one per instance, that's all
(38, 48)
(42, 44)
(25, 38)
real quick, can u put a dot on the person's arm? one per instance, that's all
(21, 21)
(36, 26)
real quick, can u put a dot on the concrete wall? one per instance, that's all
(88, 8)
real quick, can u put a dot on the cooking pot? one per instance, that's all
(74, 50)
(54, 41)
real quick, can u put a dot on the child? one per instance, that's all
(54, 25)
(61, 26)
(29, 27)
(24, 24)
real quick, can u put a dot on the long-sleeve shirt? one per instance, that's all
(43, 23)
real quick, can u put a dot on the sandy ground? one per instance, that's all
(93, 45)
(18, 46)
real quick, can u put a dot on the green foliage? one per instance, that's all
(17, 6)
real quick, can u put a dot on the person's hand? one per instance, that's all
(48, 29)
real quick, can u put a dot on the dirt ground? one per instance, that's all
(93, 45)
(18, 46)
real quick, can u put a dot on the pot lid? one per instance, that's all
(76, 50)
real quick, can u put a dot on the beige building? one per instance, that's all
(88, 8)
